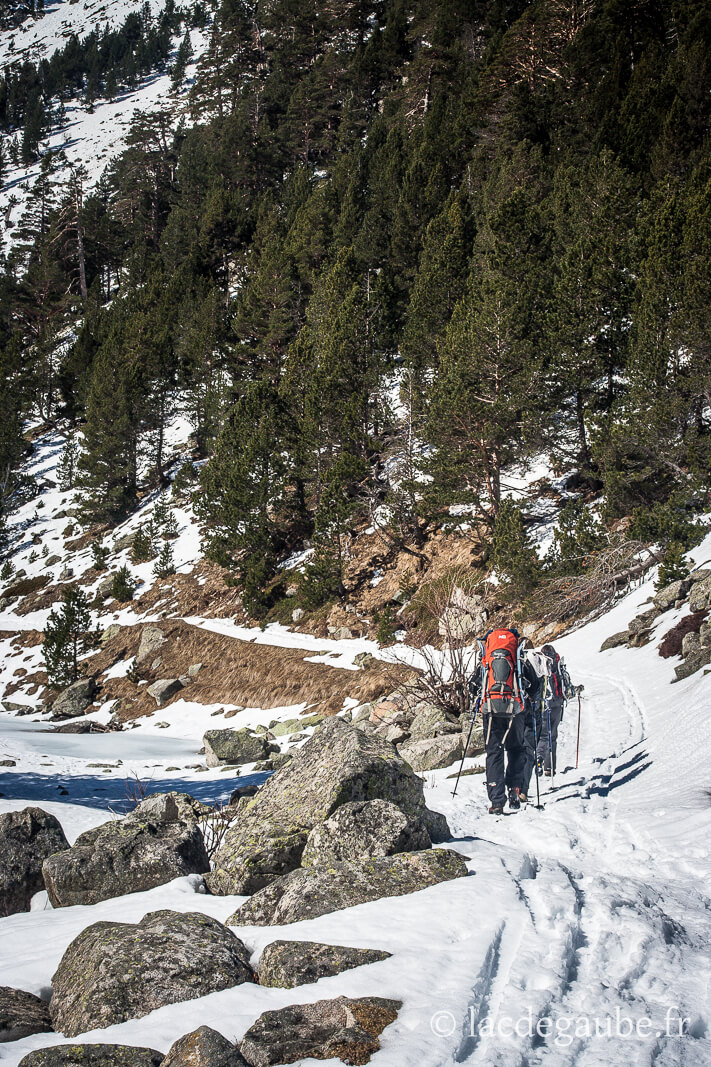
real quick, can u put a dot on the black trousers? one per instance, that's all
(505, 755)
(545, 748)
(531, 734)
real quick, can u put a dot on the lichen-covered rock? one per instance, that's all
(700, 595)
(294, 726)
(338, 764)
(690, 642)
(361, 829)
(667, 597)
(431, 721)
(310, 892)
(615, 640)
(644, 620)
(22, 1014)
(433, 753)
(117, 971)
(27, 838)
(92, 1056)
(261, 851)
(126, 856)
(74, 700)
(152, 640)
(693, 663)
(287, 964)
(204, 1047)
(341, 1028)
(235, 746)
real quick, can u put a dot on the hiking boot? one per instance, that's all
(547, 774)
(495, 810)
(514, 799)
(523, 798)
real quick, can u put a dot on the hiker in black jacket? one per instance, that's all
(533, 679)
(552, 712)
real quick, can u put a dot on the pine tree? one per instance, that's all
(165, 564)
(67, 466)
(67, 636)
(182, 59)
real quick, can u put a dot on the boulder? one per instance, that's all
(342, 633)
(361, 829)
(667, 597)
(113, 972)
(27, 838)
(287, 964)
(700, 595)
(167, 808)
(431, 721)
(293, 726)
(126, 856)
(22, 1014)
(152, 640)
(235, 746)
(615, 640)
(690, 642)
(112, 630)
(74, 700)
(93, 1056)
(310, 892)
(261, 852)
(693, 663)
(429, 755)
(164, 689)
(342, 1028)
(364, 660)
(204, 1048)
(297, 614)
(338, 764)
(644, 621)
(705, 633)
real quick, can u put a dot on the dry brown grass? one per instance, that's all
(239, 672)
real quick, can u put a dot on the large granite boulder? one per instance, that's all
(700, 595)
(431, 721)
(338, 764)
(235, 746)
(667, 597)
(261, 851)
(361, 829)
(433, 753)
(310, 892)
(22, 1014)
(152, 640)
(693, 663)
(92, 1056)
(204, 1047)
(113, 972)
(341, 1028)
(27, 838)
(615, 640)
(74, 700)
(287, 964)
(125, 856)
(164, 690)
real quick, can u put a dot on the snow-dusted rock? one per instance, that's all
(287, 964)
(308, 893)
(22, 1014)
(361, 829)
(125, 856)
(93, 1056)
(74, 700)
(342, 1028)
(117, 971)
(204, 1048)
(27, 838)
(235, 746)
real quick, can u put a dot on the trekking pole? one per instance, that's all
(535, 753)
(466, 747)
(577, 745)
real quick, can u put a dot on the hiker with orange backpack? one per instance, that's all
(502, 705)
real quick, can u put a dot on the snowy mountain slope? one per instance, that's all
(586, 919)
(89, 136)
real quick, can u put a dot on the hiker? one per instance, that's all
(534, 672)
(552, 712)
(502, 717)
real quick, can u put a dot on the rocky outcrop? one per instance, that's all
(152, 640)
(204, 1048)
(310, 892)
(235, 746)
(164, 690)
(615, 640)
(362, 829)
(698, 658)
(74, 701)
(146, 849)
(93, 1056)
(22, 1014)
(430, 755)
(117, 971)
(667, 597)
(341, 1028)
(27, 838)
(287, 964)
(337, 765)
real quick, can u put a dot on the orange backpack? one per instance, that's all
(501, 691)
